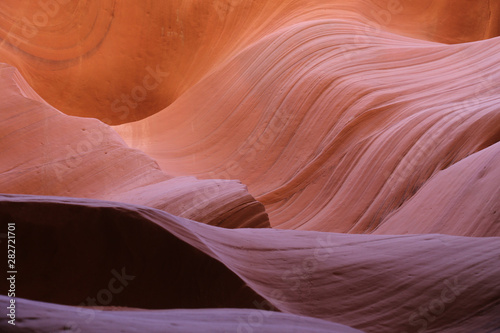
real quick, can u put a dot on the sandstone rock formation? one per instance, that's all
(329, 137)
(251, 166)
(46, 152)
(83, 56)
(49, 318)
(374, 283)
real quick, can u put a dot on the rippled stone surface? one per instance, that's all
(251, 166)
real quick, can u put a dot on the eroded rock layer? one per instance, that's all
(46, 152)
(87, 57)
(335, 136)
(368, 128)
(50, 318)
(374, 283)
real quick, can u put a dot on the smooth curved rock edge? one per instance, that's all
(45, 152)
(334, 135)
(370, 282)
(339, 115)
(50, 318)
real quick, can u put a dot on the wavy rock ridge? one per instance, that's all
(76, 157)
(332, 140)
(271, 166)
(373, 283)
(84, 56)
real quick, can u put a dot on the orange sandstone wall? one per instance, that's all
(88, 58)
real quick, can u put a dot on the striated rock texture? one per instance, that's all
(373, 283)
(49, 318)
(334, 136)
(86, 57)
(46, 152)
(251, 166)
(101, 243)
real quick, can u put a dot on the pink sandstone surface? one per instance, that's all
(252, 166)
